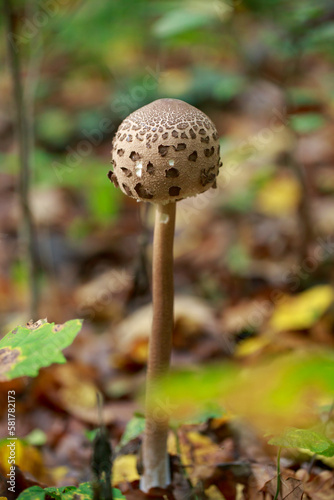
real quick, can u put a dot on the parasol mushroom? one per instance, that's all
(162, 153)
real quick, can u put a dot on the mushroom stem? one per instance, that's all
(155, 460)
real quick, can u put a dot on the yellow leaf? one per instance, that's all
(252, 346)
(59, 473)
(172, 444)
(279, 197)
(201, 453)
(213, 493)
(27, 457)
(303, 310)
(125, 469)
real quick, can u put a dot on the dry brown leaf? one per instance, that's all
(71, 388)
(104, 296)
(321, 487)
(200, 455)
(192, 318)
(265, 476)
(246, 315)
(290, 488)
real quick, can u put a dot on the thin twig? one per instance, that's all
(22, 131)
(278, 487)
(31, 81)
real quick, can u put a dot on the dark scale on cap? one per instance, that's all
(209, 152)
(150, 168)
(126, 172)
(180, 147)
(134, 156)
(172, 172)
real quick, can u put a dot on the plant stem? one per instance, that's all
(278, 487)
(22, 131)
(155, 460)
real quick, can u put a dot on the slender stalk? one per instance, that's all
(307, 232)
(22, 131)
(155, 460)
(278, 484)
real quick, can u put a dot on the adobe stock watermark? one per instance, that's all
(191, 207)
(160, 412)
(121, 107)
(11, 474)
(47, 10)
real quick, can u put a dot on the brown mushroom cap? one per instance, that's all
(165, 151)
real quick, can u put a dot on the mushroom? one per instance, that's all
(162, 153)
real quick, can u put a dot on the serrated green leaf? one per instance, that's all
(26, 349)
(33, 493)
(83, 492)
(307, 439)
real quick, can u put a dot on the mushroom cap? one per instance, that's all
(165, 151)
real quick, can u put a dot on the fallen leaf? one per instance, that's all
(104, 296)
(301, 311)
(27, 457)
(125, 469)
(70, 387)
(320, 487)
(192, 318)
(290, 488)
(279, 197)
(213, 493)
(200, 455)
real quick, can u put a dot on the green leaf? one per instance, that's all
(33, 493)
(308, 439)
(37, 437)
(26, 349)
(229, 86)
(180, 21)
(282, 391)
(55, 126)
(133, 429)
(91, 434)
(322, 34)
(307, 122)
(211, 410)
(299, 96)
(83, 492)
(237, 259)
(38, 493)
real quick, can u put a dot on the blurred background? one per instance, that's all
(71, 245)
